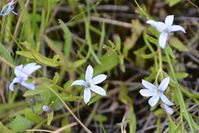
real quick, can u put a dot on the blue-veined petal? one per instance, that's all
(149, 86)
(89, 74)
(30, 68)
(164, 84)
(154, 100)
(163, 39)
(99, 90)
(98, 79)
(146, 92)
(15, 80)
(79, 82)
(160, 26)
(167, 109)
(166, 100)
(169, 20)
(177, 28)
(87, 95)
(18, 70)
(30, 86)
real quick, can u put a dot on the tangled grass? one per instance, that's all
(65, 36)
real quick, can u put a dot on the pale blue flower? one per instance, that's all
(22, 74)
(90, 84)
(8, 8)
(46, 108)
(165, 29)
(156, 93)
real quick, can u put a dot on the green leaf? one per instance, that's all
(100, 118)
(38, 90)
(118, 43)
(56, 78)
(38, 57)
(70, 98)
(4, 129)
(20, 124)
(5, 54)
(132, 120)
(30, 115)
(130, 117)
(148, 56)
(79, 63)
(67, 38)
(50, 117)
(172, 2)
(176, 43)
(181, 75)
(170, 51)
(108, 62)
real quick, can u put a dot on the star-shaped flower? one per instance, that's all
(90, 84)
(156, 93)
(165, 29)
(22, 74)
(8, 8)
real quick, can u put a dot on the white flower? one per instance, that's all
(8, 8)
(22, 73)
(167, 109)
(156, 93)
(165, 29)
(90, 84)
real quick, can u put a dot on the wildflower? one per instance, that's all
(8, 8)
(167, 109)
(90, 84)
(156, 93)
(165, 29)
(22, 74)
(46, 108)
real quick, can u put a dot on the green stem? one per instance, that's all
(179, 94)
(67, 107)
(160, 58)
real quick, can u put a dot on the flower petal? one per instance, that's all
(166, 100)
(89, 74)
(18, 70)
(167, 109)
(30, 68)
(15, 80)
(169, 20)
(98, 79)
(30, 86)
(87, 95)
(160, 26)
(99, 90)
(153, 100)
(79, 82)
(146, 92)
(14, 13)
(163, 40)
(5, 10)
(177, 28)
(149, 86)
(164, 84)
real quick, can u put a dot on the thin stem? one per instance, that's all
(66, 106)
(65, 127)
(160, 58)
(179, 95)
